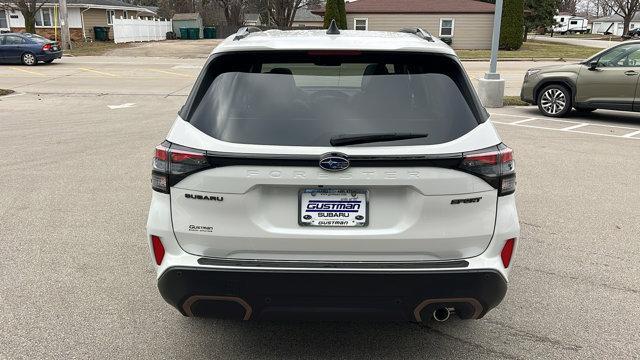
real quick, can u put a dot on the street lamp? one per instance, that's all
(491, 86)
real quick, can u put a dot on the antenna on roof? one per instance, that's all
(243, 32)
(418, 32)
(333, 28)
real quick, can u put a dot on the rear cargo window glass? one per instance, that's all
(309, 99)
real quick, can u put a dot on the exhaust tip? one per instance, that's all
(441, 314)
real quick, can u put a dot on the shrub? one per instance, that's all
(511, 32)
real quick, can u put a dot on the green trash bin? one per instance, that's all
(209, 33)
(184, 33)
(101, 33)
(194, 33)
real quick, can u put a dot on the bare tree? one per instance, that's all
(626, 9)
(568, 6)
(28, 8)
(234, 10)
(283, 12)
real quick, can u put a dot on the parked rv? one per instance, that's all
(570, 24)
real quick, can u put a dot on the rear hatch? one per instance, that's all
(252, 173)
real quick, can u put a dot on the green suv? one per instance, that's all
(608, 80)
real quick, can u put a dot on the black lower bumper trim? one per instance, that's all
(255, 295)
(352, 265)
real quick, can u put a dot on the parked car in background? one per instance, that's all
(607, 80)
(632, 34)
(28, 49)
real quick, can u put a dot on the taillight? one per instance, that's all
(158, 249)
(46, 47)
(495, 165)
(173, 163)
(507, 252)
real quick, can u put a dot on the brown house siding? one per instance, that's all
(471, 31)
(98, 17)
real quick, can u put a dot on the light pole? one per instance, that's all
(491, 86)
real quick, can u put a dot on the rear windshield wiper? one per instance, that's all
(353, 139)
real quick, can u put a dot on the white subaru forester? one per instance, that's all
(333, 175)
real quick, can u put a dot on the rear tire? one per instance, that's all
(554, 101)
(29, 59)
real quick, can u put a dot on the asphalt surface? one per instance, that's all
(76, 279)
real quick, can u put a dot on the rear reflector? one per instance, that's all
(158, 249)
(507, 252)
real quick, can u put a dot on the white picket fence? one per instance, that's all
(132, 30)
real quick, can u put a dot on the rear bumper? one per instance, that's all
(49, 56)
(302, 295)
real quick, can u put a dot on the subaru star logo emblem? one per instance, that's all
(334, 162)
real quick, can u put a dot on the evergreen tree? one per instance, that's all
(538, 13)
(342, 13)
(331, 11)
(512, 30)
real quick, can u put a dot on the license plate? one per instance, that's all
(338, 207)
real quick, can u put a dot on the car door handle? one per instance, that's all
(630, 73)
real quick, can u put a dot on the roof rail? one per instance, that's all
(423, 34)
(245, 31)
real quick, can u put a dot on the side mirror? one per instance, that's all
(593, 65)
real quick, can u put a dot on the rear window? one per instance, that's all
(305, 99)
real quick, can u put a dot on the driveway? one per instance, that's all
(184, 49)
(601, 44)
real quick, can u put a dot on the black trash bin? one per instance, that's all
(101, 33)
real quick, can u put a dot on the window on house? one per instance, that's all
(361, 24)
(446, 27)
(561, 19)
(44, 17)
(125, 14)
(574, 22)
(3, 20)
(110, 15)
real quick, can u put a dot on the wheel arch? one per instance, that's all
(570, 85)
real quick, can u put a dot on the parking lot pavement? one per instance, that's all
(76, 279)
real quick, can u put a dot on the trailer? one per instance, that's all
(570, 24)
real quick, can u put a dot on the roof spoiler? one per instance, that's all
(423, 34)
(245, 31)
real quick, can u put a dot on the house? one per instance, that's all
(613, 24)
(305, 18)
(467, 23)
(187, 20)
(83, 15)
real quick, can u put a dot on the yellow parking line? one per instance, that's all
(26, 71)
(170, 72)
(98, 72)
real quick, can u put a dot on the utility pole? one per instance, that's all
(491, 86)
(65, 37)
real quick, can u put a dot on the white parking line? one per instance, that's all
(561, 121)
(627, 136)
(575, 127)
(631, 134)
(523, 121)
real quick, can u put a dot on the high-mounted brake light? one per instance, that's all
(170, 165)
(494, 165)
(507, 252)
